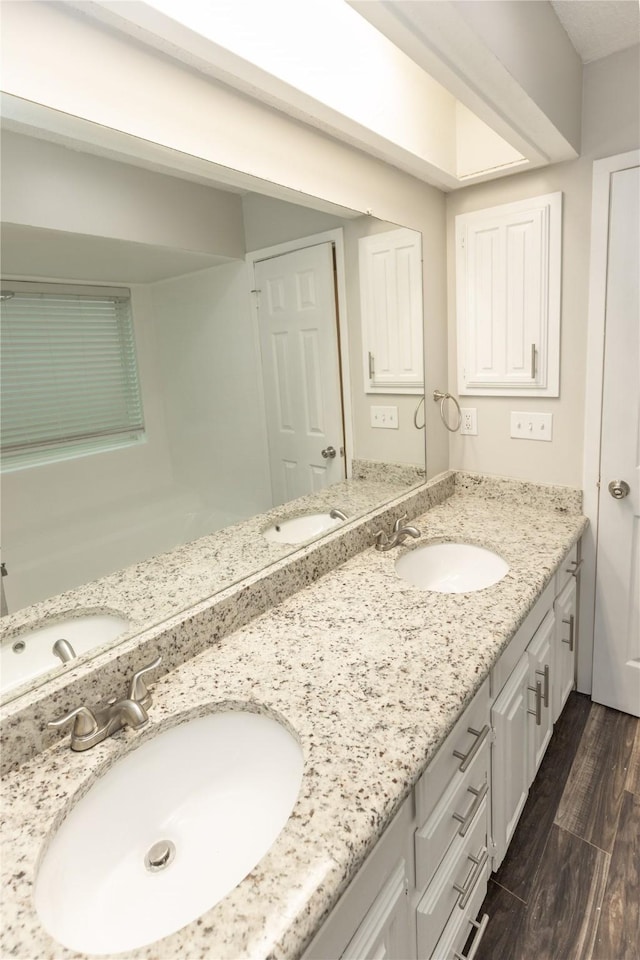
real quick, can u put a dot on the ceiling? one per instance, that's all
(597, 28)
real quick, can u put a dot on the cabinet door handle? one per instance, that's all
(545, 674)
(467, 758)
(576, 567)
(537, 713)
(465, 820)
(533, 361)
(480, 929)
(570, 622)
(466, 890)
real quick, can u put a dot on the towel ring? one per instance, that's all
(419, 426)
(439, 395)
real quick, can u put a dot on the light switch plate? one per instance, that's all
(531, 426)
(385, 418)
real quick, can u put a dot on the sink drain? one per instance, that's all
(19, 646)
(160, 855)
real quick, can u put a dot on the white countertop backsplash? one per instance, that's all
(370, 672)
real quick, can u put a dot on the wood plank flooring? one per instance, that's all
(569, 887)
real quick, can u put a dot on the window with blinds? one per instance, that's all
(69, 378)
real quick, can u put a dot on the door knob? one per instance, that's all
(329, 453)
(619, 489)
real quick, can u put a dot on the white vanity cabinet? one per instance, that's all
(418, 893)
(427, 875)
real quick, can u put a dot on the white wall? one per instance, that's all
(48, 186)
(528, 39)
(46, 49)
(209, 366)
(611, 124)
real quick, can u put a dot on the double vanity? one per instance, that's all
(363, 747)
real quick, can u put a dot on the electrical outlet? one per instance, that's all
(531, 426)
(469, 422)
(385, 418)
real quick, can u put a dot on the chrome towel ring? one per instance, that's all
(439, 395)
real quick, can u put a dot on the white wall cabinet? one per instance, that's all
(418, 893)
(391, 309)
(508, 285)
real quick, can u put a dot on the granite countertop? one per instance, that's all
(370, 672)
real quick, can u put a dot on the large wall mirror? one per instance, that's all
(257, 396)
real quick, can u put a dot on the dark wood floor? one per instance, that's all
(569, 887)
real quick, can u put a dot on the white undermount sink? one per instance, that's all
(451, 567)
(168, 831)
(31, 652)
(299, 529)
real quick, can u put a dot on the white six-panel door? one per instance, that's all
(299, 347)
(616, 656)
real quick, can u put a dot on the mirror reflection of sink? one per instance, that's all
(30, 653)
(299, 529)
(168, 831)
(451, 567)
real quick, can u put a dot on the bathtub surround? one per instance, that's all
(370, 672)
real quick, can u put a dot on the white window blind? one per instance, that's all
(69, 381)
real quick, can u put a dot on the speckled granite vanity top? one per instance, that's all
(370, 672)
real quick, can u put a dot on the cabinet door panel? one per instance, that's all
(510, 762)
(384, 932)
(541, 654)
(566, 641)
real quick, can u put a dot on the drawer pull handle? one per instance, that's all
(576, 567)
(537, 713)
(571, 622)
(467, 758)
(473, 809)
(545, 674)
(473, 949)
(467, 889)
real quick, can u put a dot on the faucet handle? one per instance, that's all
(399, 522)
(85, 721)
(138, 689)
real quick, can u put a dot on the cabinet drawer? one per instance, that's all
(453, 815)
(462, 923)
(567, 569)
(454, 885)
(455, 755)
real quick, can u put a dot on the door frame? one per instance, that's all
(601, 194)
(336, 237)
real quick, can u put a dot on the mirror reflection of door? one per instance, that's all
(297, 317)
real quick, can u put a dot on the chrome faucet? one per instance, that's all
(337, 514)
(93, 725)
(398, 536)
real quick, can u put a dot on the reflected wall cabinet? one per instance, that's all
(508, 285)
(391, 305)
